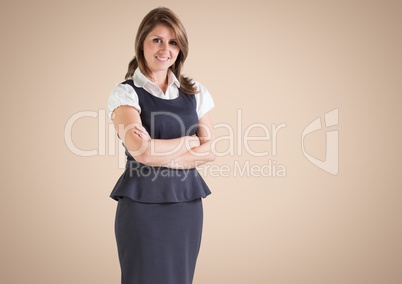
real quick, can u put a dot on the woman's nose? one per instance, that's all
(164, 46)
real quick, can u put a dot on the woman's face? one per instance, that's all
(160, 48)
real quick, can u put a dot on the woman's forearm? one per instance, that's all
(157, 152)
(193, 158)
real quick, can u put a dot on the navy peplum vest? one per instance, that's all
(163, 119)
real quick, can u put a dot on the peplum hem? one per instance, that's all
(149, 184)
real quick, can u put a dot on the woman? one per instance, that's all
(161, 118)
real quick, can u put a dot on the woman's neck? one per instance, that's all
(161, 80)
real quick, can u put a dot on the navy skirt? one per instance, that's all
(158, 243)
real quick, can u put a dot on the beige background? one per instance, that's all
(276, 61)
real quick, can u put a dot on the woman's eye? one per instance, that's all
(173, 42)
(157, 40)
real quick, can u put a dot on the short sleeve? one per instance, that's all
(204, 100)
(122, 94)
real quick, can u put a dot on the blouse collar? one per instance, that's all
(140, 80)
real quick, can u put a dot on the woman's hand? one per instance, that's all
(142, 132)
(194, 141)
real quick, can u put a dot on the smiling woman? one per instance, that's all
(161, 25)
(162, 119)
(160, 52)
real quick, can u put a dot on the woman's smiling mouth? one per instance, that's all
(163, 59)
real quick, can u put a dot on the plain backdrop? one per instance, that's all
(264, 62)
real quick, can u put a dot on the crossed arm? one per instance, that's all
(179, 153)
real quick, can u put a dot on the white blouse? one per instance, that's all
(124, 94)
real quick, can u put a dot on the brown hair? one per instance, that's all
(162, 15)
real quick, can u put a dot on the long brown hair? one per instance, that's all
(162, 15)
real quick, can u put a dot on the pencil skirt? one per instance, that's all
(158, 243)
